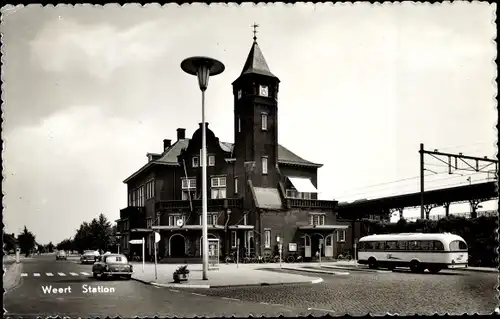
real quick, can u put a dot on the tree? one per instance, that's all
(9, 241)
(83, 238)
(101, 231)
(66, 244)
(49, 247)
(26, 241)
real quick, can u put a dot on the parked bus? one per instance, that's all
(418, 251)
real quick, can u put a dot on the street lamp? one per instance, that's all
(203, 68)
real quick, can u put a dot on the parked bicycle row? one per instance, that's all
(257, 259)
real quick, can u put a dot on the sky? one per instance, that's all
(88, 91)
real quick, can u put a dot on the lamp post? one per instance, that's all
(203, 68)
(280, 247)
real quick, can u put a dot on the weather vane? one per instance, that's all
(255, 26)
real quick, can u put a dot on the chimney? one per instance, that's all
(166, 144)
(181, 133)
(206, 125)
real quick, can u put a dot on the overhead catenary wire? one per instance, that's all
(370, 193)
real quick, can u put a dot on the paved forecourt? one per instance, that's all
(225, 275)
(124, 298)
(377, 291)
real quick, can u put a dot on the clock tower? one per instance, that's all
(256, 122)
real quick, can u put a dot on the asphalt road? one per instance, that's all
(129, 298)
(382, 292)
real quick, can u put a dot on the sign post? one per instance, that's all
(118, 245)
(143, 252)
(157, 239)
(355, 246)
(320, 246)
(280, 250)
(18, 251)
(237, 252)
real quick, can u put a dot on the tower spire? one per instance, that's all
(255, 26)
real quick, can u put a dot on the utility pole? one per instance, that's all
(452, 165)
(422, 191)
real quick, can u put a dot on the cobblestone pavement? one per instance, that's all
(362, 292)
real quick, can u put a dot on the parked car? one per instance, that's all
(112, 265)
(61, 254)
(89, 256)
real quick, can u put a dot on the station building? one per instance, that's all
(258, 191)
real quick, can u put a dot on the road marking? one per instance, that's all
(319, 309)
(24, 274)
(49, 274)
(61, 274)
(85, 273)
(174, 290)
(36, 274)
(73, 274)
(227, 298)
(193, 293)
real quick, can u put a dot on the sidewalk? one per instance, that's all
(12, 275)
(225, 276)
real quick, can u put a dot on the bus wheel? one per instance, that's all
(372, 263)
(415, 266)
(434, 270)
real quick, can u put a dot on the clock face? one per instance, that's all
(264, 90)
(239, 94)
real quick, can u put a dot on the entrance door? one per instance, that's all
(316, 243)
(329, 246)
(177, 246)
(306, 241)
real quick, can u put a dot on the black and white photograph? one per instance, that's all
(249, 159)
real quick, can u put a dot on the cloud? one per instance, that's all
(65, 46)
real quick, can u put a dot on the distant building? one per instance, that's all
(258, 190)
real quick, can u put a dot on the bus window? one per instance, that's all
(391, 245)
(362, 245)
(438, 245)
(458, 245)
(426, 245)
(402, 245)
(379, 245)
(413, 245)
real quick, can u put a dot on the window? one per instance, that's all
(172, 219)
(188, 183)
(267, 238)
(379, 245)
(413, 245)
(317, 219)
(188, 194)
(212, 219)
(402, 245)
(458, 245)
(150, 190)
(425, 245)
(238, 120)
(233, 239)
(218, 187)
(264, 165)
(263, 118)
(341, 235)
(245, 219)
(196, 161)
(239, 94)
(391, 245)
(438, 245)
(139, 196)
(328, 241)
(291, 193)
(149, 223)
(236, 185)
(306, 195)
(211, 160)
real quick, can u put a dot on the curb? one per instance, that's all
(478, 270)
(319, 271)
(189, 286)
(356, 269)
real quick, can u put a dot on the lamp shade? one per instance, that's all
(203, 68)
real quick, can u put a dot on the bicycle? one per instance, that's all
(346, 257)
(231, 258)
(292, 259)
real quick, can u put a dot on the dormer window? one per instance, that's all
(196, 161)
(211, 160)
(263, 119)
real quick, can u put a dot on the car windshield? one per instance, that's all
(89, 254)
(116, 259)
(61, 253)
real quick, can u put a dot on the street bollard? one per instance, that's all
(320, 246)
(18, 251)
(280, 249)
